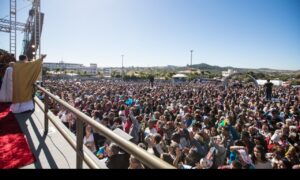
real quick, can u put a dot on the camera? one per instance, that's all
(40, 83)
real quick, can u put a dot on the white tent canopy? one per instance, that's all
(275, 82)
(179, 76)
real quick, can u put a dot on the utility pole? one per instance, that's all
(123, 67)
(192, 57)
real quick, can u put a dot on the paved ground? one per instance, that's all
(51, 151)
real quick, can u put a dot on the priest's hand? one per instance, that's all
(43, 56)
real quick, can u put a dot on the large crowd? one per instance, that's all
(190, 125)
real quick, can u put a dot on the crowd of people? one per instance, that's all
(190, 125)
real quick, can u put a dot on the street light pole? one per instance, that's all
(123, 67)
(192, 57)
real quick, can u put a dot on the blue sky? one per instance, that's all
(240, 33)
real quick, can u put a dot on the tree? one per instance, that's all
(100, 74)
(169, 75)
(45, 70)
(113, 73)
(295, 82)
(211, 76)
(193, 76)
(247, 79)
(251, 73)
(260, 75)
(284, 77)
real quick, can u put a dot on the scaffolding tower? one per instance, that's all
(32, 29)
(13, 27)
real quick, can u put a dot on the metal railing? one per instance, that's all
(143, 156)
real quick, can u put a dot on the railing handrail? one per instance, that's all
(143, 156)
(86, 156)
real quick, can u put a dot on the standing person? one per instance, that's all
(135, 127)
(268, 86)
(63, 114)
(259, 158)
(134, 163)
(6, 87)
(88, 139)
(151, 80)
(25, 74)
(116, 160)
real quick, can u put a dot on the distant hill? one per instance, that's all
(214, 68)
(204, 66)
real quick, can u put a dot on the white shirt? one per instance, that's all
(90, 140)
(265, 165)
(63, 117)
(7, 86)
(149, 131)
(98, 120)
